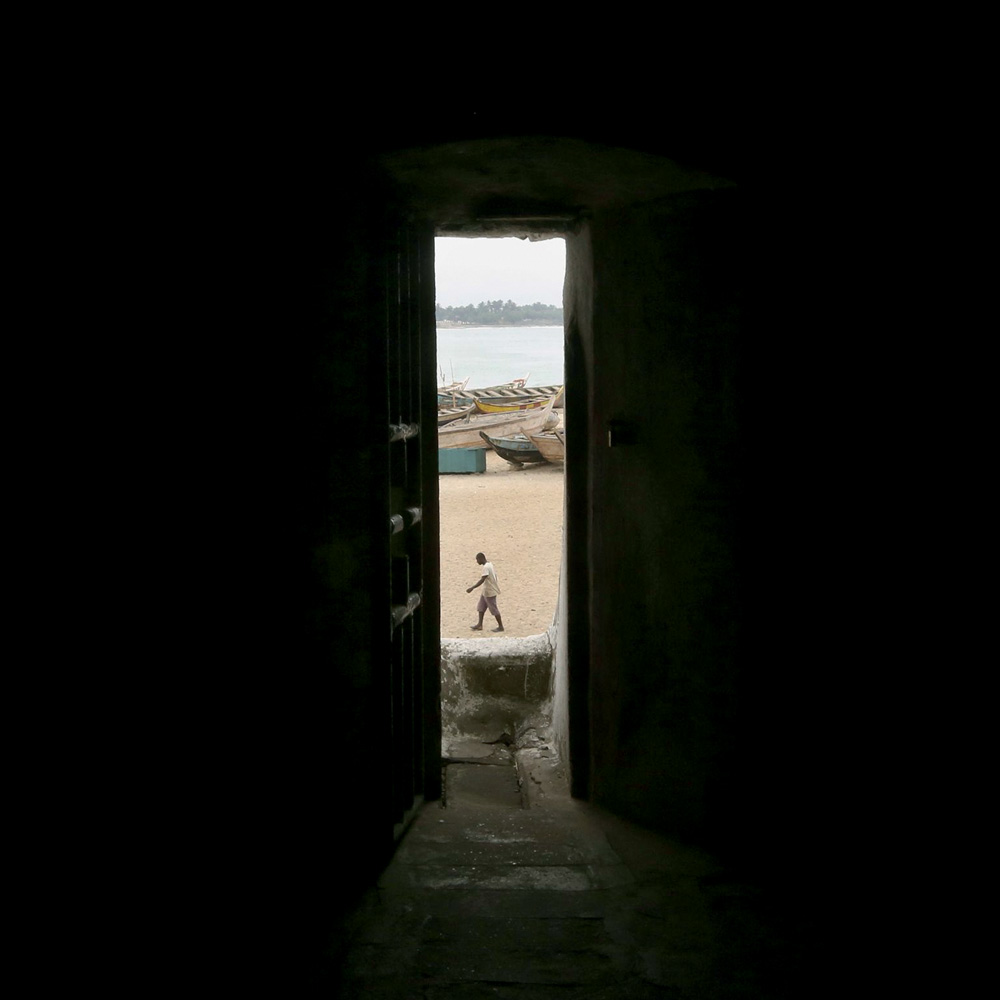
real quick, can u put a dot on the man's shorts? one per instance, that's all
(488, 602)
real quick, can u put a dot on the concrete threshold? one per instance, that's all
(495, 687)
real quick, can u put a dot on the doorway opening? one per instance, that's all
(499, 321)
(500, 366)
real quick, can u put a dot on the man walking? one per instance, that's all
(488, 598)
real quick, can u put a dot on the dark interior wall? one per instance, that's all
(713, 693)
(666, 494)
(575, 617)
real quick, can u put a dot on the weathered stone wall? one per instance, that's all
(493, 686)
(560, 667)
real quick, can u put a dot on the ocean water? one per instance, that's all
(492, 355)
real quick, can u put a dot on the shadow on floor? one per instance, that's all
(503, 891)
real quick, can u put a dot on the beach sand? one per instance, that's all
(515, 518)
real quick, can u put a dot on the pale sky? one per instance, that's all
(482, 270)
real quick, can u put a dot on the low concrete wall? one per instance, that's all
(495, 686)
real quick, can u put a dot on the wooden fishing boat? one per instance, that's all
(446, 414)
(518, 449)
(505, 394)
(443, 390)
(456, 393)
(464, 432)
(508, 404)
(551, 444)
(514, 383)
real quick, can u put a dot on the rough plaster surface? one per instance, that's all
(495, 686)
(532, 186)
(497, 651)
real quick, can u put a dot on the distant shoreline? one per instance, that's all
(451, 324)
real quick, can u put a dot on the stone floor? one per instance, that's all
(511, 889)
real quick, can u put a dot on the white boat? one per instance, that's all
(464, 433)
(446, 414)
(502, 394)
(444, 390)
(551, 444)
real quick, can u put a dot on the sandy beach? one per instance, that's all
(515, 517)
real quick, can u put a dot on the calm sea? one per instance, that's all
(492, 355)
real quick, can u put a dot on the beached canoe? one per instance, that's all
(504, 395)
(518, 449)
(446, 414)
(456, 392)
(464, 432)
(443, 390)
(508, 404)
(551, 444)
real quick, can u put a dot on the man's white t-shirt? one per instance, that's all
(492, 586)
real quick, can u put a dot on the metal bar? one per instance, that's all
(400, 612)
(403, 432)
(409, 517)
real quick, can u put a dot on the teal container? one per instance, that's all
(461, 460)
